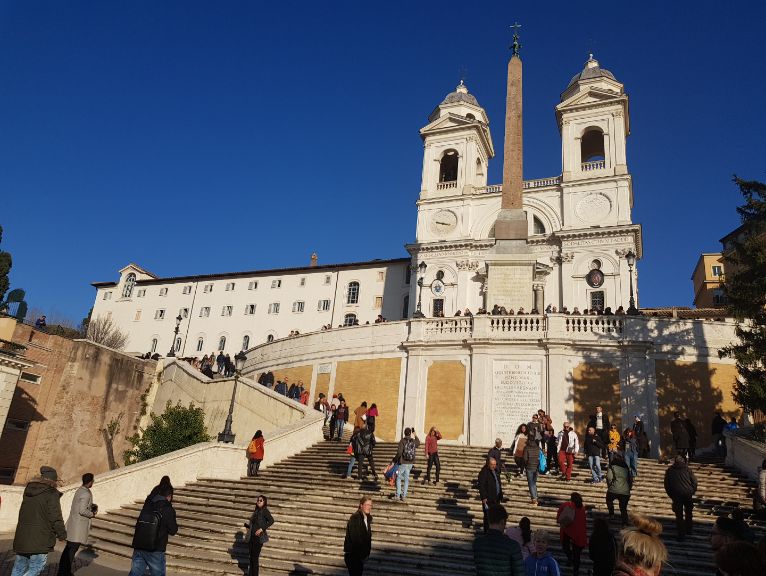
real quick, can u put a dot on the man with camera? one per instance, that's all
(78, 524)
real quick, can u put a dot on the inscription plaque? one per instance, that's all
(517, 394)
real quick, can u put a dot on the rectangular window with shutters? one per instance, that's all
(207, 288)
(252, 285)
(187, 289)
(250, 309)
(378, 302)
(107, 295)
(229, 286)
(298, 306)
(159, 314)
(302, 282)
(163, 291)
(137, 316)
(183, 312)
(227, 310)
(276, 283)
(141, 293)
(381, 276)
(323, 305)
(274, 308)
(29, 377)
(327, 279)
(717, 271)
(204, 312)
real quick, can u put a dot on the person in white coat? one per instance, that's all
(78, 524)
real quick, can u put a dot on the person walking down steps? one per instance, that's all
(255, 453)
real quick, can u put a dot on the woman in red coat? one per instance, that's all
(574, 536)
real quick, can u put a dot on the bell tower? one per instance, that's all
(594, 124)
(457, 146)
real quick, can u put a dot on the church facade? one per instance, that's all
(567, 241)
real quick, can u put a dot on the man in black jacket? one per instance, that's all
(490, 489)
(680, 485)
(717, 428)
(358, 542)
(531, 466)
(156, 522)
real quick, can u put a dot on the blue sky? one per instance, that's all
(199, 137)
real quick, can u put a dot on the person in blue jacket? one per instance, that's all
(541, 563)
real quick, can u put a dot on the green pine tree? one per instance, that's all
(178, 427)
(5, 267)
(745, 290)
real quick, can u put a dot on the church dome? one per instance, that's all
(592, 70)
(460, 94)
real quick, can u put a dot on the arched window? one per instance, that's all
(270, 338)
(537, 226)
(245, 342)
(448, 166)
(178, 344)
(352, 294)
(222, 343)
(154, 345)
(200, 344)
(470, 116)
(349, 319)
(130, 283)
(406, 307)
(592, 146)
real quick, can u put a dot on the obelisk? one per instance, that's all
(510, 263)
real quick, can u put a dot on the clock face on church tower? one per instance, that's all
(443, 222)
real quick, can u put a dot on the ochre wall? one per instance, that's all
(374, 381)
(595, 384)
(697, 390)
(445, 398)
(294, 374)
(323, 385)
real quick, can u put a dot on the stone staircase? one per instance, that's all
(430, 534)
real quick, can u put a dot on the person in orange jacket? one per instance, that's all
(255, 453)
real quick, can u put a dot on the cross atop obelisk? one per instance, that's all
(512, 223)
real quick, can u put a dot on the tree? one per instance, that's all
(178, 427)
(6, 262)
(745, 290)
(102, 330)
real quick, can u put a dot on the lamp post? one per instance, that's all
(631, 258)
(172, 352)
(227, 436)
(419, 312)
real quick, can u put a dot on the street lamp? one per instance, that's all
(172, 352)
(631, 258)
(227, 436)
(419, 312)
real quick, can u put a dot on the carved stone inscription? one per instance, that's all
(517, 394)
(510, 286)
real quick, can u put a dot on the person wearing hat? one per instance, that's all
(40, 524)
(78, 524)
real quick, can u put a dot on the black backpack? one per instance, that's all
(409, 450)
(147, 533)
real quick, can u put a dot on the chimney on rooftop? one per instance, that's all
(314, 259)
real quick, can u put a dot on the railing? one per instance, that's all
(446, 185)
(528, 185)
(8, 347)
(516, 324)
(449, 327)
(599, 324)
(542, 182)
(590, 166)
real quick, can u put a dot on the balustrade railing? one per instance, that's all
(598, 324)
(446, 185)
(440, 327)
(590, 166)
(528, 184)
(516, 323)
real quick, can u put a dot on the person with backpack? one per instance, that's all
(619, 482)
(680, 486)
(405, 456)
(255, 453)
(362, 444)
(155, 523)
(572, 525)
(256, 537)
(531, 465)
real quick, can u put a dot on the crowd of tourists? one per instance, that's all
(637, 550)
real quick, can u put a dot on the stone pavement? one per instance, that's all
(88, 562)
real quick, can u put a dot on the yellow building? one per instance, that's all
(708, 281)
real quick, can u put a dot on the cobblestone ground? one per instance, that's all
(7, 558)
